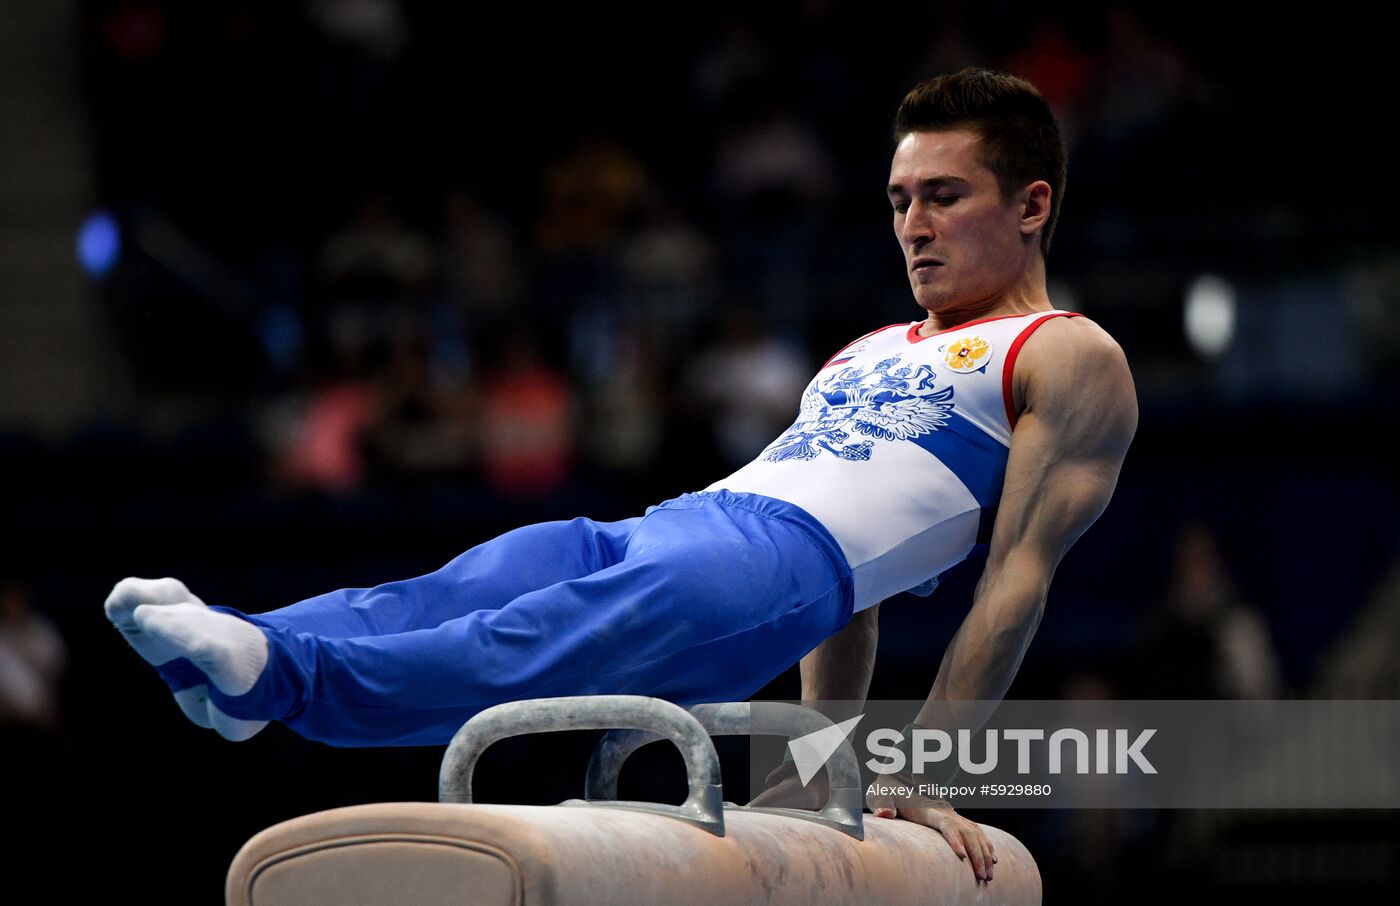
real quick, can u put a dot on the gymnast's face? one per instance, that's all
(948, 208)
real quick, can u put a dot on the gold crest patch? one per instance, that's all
(967, 354)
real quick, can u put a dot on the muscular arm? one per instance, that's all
(839, 669)
(1078, 417)
(835, 680)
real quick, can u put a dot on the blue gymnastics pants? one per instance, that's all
(706, 597)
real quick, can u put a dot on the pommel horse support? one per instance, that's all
(599, 850)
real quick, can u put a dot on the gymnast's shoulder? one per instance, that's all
(1077, 356)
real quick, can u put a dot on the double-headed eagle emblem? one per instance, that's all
(884, 402)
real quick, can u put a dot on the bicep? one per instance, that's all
(1066, 452)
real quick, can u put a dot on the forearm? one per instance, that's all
(840, 668)
(983, 657)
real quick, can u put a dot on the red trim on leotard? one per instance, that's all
(1016, 344)
(857, 340)
(913, 335)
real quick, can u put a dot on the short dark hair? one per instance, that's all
(1020, 140)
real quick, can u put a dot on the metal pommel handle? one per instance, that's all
(845, 803)
(704, 805)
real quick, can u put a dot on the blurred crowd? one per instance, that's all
(606, 267)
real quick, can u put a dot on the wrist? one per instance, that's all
(941, 772)
(785, 769)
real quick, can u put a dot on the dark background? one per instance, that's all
(366, 249)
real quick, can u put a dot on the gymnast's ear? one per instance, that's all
(1034, 201)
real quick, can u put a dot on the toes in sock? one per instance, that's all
(131, 593)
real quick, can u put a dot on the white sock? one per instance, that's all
(164, 644)
(232, 728)
(230, 651)
(129, 594)
(194, 701)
